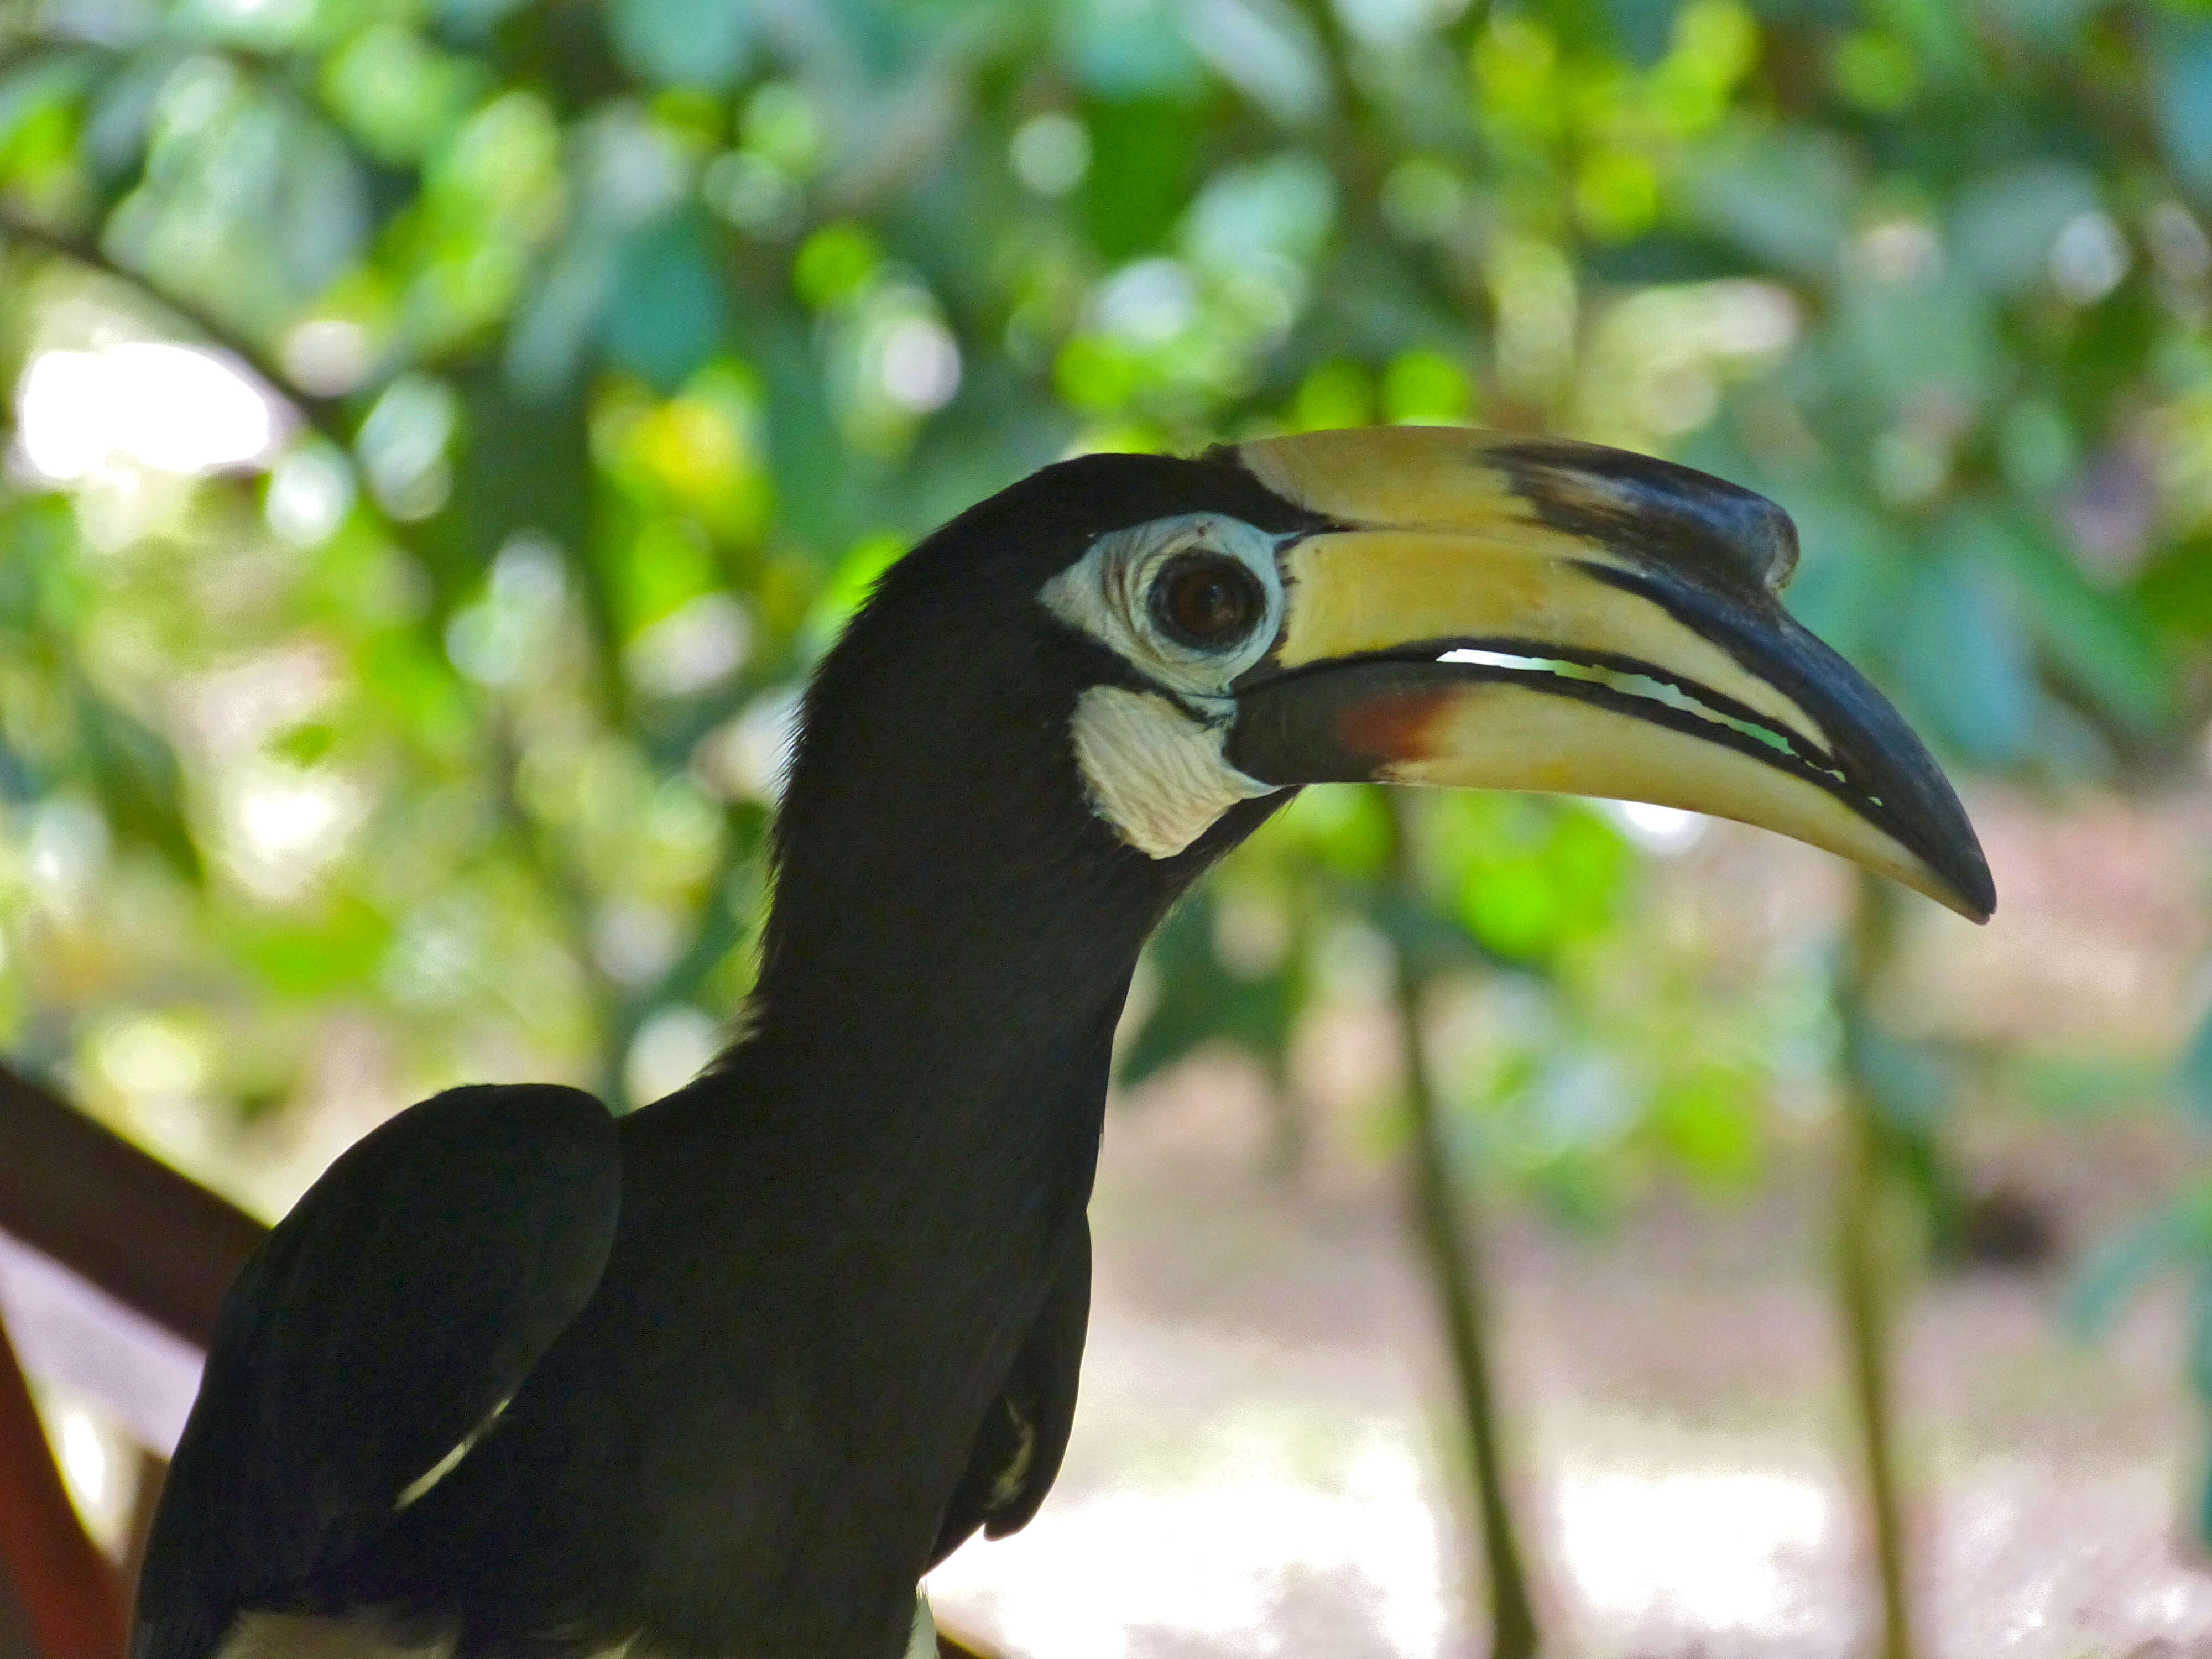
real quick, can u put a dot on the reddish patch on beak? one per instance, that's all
(1393, 726)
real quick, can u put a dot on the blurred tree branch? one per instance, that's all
(1449, 1231)
(326, 414)
(1865, 1274)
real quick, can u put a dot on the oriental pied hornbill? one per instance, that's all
(722, 1379)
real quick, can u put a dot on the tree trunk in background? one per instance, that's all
(1450, 1236)
(1866, 1281)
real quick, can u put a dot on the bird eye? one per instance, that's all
(1206, 600)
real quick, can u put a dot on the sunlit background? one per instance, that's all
(444, 433)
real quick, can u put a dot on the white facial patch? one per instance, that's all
(1153, 761)
(1155, 774)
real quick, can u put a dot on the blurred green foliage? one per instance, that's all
(622, 346)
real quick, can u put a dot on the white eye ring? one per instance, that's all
(1113, 593)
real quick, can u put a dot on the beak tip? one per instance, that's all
(1981, 902)
(1966, 887)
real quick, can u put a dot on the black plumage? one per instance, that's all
(839, 1327)
(381, 1324)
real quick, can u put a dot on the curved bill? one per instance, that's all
(1490, 612)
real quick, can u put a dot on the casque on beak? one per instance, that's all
(1494, 612)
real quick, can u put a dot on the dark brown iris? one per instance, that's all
(1206, 600)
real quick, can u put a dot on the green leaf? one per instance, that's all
(2200, 1331)
(39, 84)
(1785, 197)
(668, 309)
(1581, 1189)
(834, 263)
(559, 316)
(1511, 904)
(525, 465)
(339, 950)
(2099, 642)
(2176, 590)
(1120, 48)
(303, 745)
(1343, 827)
(1199, 998)
(1915, 341)
(2193, 1078)
(2177, 1231)
(400, 96)
(850, 583)
(683, 43)
(2004, 224)
(1708, 1120)
(2182, 94)
(1963, 660)
(1145, 152)
(139, 782)
(805, 453)
(1853, 581)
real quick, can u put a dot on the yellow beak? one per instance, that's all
(1492, 612)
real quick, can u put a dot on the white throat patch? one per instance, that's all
(1154, 773)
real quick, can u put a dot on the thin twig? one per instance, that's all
(1450, 1242)
(326, 414)
(1862, 1281)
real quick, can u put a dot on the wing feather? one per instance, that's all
(373, 1337)
(1025, 1435)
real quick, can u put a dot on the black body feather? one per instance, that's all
(382, 1322)
(851, 1273)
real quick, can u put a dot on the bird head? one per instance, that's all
(1129, 660)
(1439, 606)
